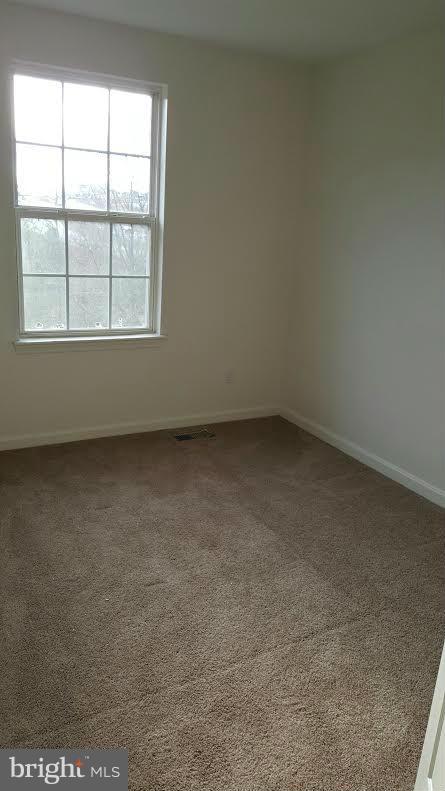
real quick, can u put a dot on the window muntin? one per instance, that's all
(87, 175)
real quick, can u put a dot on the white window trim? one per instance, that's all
(102, 338)
(89, 343)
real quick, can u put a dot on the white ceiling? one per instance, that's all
(297, 28)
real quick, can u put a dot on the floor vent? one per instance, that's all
(196, 433)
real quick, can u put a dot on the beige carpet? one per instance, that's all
(253, 612)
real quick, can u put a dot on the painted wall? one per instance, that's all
(367, 340)
(304, 245)
(229, 241)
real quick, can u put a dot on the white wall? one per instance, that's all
(304, 246)
(367, 343)
(229, 239)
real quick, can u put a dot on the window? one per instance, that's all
(88, 176)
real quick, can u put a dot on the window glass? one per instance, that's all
(83, 193)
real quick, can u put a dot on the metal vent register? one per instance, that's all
(193, 433)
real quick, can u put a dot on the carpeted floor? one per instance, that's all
(253, 612)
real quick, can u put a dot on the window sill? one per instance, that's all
(88, 343)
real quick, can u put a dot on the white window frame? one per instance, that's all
(154, 219)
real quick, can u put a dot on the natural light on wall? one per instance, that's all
(87, 200)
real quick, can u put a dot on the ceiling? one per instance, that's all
(295, 28)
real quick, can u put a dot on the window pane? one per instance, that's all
(39, 175)
(88, 303)
(129, 184)
(89, 248)
(38, 110)
(130, 302)
(43, 246)
(130, 122)
(85, 109)
(85, 180)
(130, 249)
(44, 303)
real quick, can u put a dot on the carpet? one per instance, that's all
(251, 612)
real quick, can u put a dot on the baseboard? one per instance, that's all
(418, 485)
(118, 429)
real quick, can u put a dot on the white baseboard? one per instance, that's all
(418, 485)
(118, 429)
